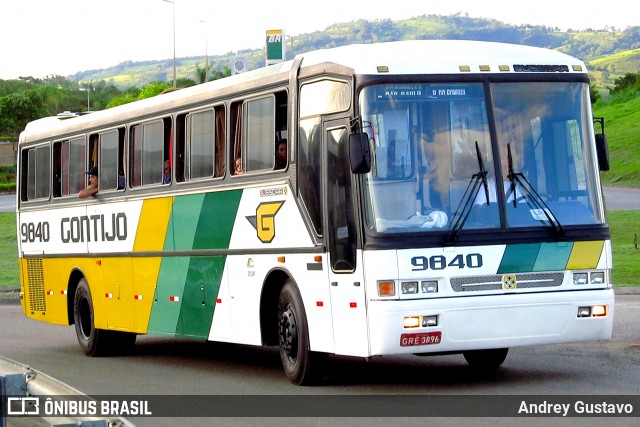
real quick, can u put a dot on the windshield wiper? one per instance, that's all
(533, 198)
(469, 197)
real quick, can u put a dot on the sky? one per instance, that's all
(40, 38)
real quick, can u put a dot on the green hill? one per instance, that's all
(604, 50)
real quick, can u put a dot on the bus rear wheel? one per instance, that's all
(486, 359)
(91, 340)
(301, 365)
(96, 342)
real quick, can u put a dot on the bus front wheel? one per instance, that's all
(301, 365)
(486, 359)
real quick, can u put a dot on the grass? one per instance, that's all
(622, 128)
(8, 251)
(625, 227)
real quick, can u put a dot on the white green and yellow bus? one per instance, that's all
(384, 232)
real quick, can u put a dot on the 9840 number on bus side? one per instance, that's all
(34, 232)
(440, 262)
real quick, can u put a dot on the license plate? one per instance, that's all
(421, 338)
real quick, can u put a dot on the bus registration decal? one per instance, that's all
(420, 338)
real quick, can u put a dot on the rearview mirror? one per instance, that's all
(602, 146)
(602, 150)
(359, 153)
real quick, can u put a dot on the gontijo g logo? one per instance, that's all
(264, 220)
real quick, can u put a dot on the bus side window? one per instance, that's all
(68, 178)
(36, 173)
(110, 149)
(200, 139)
(253, 126)
(149, 148)
(235, 151)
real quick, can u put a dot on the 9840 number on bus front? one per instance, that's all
(440, 262)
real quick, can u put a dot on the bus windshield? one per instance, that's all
(436, 165)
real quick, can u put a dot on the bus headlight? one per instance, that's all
(580, 278)
(429, 286)
(597, 278)
(409, 287)
(589, 278)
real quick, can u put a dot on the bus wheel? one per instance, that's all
(301, 365)
(486, 359)
(94, 342)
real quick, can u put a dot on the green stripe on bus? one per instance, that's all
(184, 221)
(187, 287)
(519, 258)
(217, 217)
(553, 256)
(203, 282)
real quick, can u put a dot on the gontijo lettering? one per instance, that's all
(96, 228)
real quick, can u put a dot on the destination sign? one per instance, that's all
(430, 91)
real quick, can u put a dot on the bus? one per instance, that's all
(437, 197)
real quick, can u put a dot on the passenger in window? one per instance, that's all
(281, 154)
(166, 178)
(238, 168)
(92, 188)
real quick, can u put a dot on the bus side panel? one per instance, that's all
(151, 234)
(144, 275)
(268, 218)
(118, 293)
(187, 289)
(44, 289)
(221, 322)
(46, 283)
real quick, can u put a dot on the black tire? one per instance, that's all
(94, 342)
(486, 359)
(301, 365)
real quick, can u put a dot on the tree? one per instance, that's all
(217, 74)
(629, 81)
(153, 89)
(202, 73)
(18, 109)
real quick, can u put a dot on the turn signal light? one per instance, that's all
(386, 288)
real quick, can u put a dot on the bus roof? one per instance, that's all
(448, 57)
(444, 57)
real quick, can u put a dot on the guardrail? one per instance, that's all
(24, 390)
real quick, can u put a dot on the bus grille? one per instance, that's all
(494, 283)
(37, 301)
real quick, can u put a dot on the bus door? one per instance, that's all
(346, 280)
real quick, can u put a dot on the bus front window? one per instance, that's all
(435, 167)
(546, 128)
(430, 143)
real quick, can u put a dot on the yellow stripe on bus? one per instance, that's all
(585, 255)
(153, 223)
